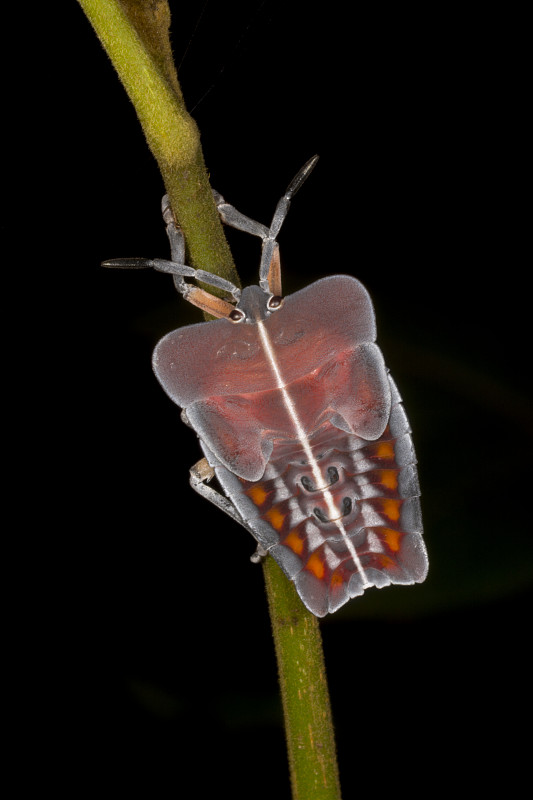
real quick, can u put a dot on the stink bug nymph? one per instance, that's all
(298, 419)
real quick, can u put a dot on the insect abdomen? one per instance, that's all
(361, 527)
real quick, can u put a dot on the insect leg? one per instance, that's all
(175, 236)
(200, 475)
(177, 251)
(179, 270)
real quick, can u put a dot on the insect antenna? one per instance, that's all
(179, 271)
(282, 208)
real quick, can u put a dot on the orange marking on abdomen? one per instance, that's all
(295, 543)
(385, 450)
(392, 538)
(257, 495)
(389, 478)
(316, 566)
(392, 509)
(275, 518)
(336, 579)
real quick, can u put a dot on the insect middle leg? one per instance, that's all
(200, 475)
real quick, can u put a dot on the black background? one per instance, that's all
(132, 598)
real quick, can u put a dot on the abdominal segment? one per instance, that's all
(343, 520)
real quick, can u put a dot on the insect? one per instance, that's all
(298, 419)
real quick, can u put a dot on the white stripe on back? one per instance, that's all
(333, 511)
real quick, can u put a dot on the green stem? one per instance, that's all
(135, 36)
(304, 691)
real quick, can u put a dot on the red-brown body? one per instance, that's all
(306, 433)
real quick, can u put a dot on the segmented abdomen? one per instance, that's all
(361, 527)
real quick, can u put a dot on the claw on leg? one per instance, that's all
(201, 472)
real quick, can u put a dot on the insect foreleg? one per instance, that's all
(175, 236)
(200, 475)
(180, 270)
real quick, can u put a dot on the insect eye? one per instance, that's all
(274, 303)
(236, 315)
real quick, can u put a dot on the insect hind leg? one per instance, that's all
(200, 475)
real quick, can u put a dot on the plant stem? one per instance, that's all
(135, 36)
(304, 691)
